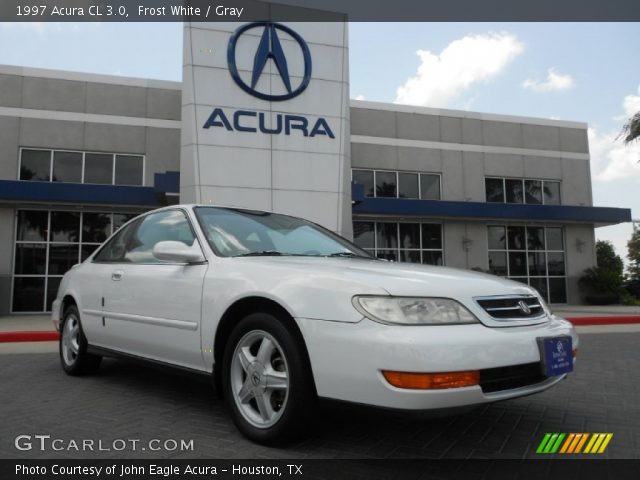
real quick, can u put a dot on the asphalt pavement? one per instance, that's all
(128, 402)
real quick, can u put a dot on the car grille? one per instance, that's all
(512, 307)
(508, 378)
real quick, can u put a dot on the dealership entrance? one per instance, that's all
(50, 242)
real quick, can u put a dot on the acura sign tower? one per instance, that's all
(265, 114)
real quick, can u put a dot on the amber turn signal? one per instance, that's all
(431, 381)
(575, 352)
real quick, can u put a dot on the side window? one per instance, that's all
(157, 227)
(115, 249)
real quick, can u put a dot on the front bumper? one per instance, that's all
(347, 359)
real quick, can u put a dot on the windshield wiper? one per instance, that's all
(346, 255)
(261, 253)
(275, 253)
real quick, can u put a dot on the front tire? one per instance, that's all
(266, 380)
(73, 346)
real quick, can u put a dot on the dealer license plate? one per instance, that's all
(556, 355)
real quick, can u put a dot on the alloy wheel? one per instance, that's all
(70, 339)
(260, 378)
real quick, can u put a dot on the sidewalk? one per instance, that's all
(27, 328)
(599, 315)
(592, 310)
(27, 334)
(26, 323)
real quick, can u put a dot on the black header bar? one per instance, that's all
(320, 10)
(295, 469)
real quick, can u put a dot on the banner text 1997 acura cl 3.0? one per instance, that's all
(282, 312)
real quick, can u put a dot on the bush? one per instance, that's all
(627, 299)
(602, 286)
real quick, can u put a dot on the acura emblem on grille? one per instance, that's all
(524, 307)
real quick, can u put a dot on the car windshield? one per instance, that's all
(233, 233)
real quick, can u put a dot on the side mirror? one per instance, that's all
(178, 252)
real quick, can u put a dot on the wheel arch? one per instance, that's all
(67, 301)
(240, 309)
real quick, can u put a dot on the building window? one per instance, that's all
(533, 191)
(98, 168)
(67, 167)
(519, 190)
(48, 243)
(364, 177)
(513, 189)
(386, 184)
(408, 185)
(129, 170)
(430, 186)
(390, 184)
(401, 241)
(81, 167)
(35, 165)
(530, 254)
(551, 193)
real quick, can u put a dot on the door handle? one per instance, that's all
(117, 275)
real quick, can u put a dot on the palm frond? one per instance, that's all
(631, 129)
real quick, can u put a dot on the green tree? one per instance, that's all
(602, 285)
(633, 252)
(607, 258)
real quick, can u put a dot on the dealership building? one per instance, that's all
(263, 120)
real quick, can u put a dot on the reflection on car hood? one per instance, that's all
(403, 279)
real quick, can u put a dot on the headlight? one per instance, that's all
(413, 310)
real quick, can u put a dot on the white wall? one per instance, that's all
(293, 174)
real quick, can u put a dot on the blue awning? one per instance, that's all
(484, 210)
(86, 193)
(79, 193)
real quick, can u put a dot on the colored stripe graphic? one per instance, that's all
(593, 439)
(556, 445)
(606, 441)
(570, 439)
(572, 443)
(550, 443)
(576, 443)
(581, 443)
(598, 443)
(543, 443)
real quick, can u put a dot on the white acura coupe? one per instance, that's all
(281, 311)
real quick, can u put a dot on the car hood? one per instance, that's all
(401, 279)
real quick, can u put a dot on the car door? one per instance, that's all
(152, 308)
(95, 286)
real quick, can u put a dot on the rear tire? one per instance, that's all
(266, 380)
(73, 346)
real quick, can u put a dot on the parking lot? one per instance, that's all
(125, 401)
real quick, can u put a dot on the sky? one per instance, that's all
(585, 72)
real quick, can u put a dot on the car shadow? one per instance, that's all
(368, 431)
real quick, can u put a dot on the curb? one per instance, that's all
(612, 320)
(29, 336)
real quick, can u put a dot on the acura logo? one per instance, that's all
(270, 47)
(524, 307)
